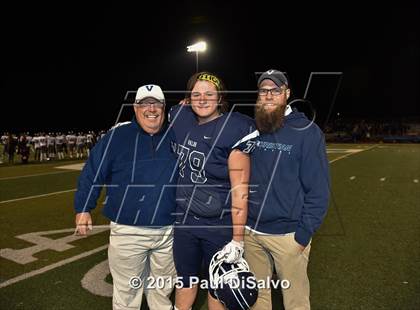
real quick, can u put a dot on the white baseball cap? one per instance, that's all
(152, 91)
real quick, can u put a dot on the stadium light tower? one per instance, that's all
(197, 47)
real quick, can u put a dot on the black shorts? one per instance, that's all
(195, 243)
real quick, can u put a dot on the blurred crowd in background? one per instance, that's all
(359, 130)
(42, 146)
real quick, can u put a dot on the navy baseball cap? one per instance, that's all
(276, 76)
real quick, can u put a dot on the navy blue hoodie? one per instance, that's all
(134, 166)
(289, 184)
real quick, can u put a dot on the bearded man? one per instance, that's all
(289, 193)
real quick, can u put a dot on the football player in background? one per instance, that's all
(80, 145)
(51, 145)
(23, 149)
(59, 141)
(37, 147)
(29, 141)
(90, 142)
(4, 139)
(12, 143)
(43, 147)
(71, 142)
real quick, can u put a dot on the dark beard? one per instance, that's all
(269, 122)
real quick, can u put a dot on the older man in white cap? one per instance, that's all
(134, 161)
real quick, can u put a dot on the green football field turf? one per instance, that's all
(365, 256)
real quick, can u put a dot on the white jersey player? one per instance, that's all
(59, 145)
(37, 147)
(80, 145)
(51, 145)
(43, 147)
(71, 143)
(4, 140)
(90, 141)
(28, 140)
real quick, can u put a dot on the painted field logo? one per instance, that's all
(93, 281)
(42, 243)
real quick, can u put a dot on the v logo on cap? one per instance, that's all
(149, 87)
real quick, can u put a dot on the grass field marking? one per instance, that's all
(332, 198)
(64, 169)
(33, 273)
(34, 175)
(335, 150)
(74, 167)
(38, 196)
(41, 242)
(347, 155)
(94, 280)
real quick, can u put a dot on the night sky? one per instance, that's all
(69, 67)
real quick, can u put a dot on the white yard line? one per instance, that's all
(70, 167)
(38, 196)
(330, 151)
(74, 167)
(34, 175)
(36, 272)
(347, 155)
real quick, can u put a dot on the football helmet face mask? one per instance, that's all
(233, 284)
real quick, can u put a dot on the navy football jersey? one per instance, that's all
(203, 151)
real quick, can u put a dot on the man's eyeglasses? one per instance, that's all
(148, 104)
(273, 91)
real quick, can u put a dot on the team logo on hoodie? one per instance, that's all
(272, 146)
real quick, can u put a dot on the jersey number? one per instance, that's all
(195, 160)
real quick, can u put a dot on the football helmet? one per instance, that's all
(234, 285)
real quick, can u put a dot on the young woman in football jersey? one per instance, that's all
(212, 185)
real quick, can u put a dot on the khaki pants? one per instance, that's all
(145, 253)
(263, 252)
